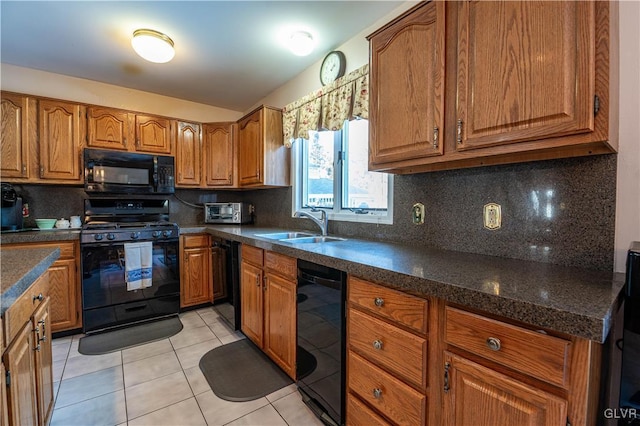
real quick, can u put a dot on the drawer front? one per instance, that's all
(21, 310)
(252, 254)
(403, 308)
(539, 355)
(398, 351)
(280, 264)
(387, 394)
(193, 241)
(67, 249)
(359, 414)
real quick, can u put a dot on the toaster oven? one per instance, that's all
(228, 213)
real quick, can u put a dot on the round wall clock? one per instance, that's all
(332, 67)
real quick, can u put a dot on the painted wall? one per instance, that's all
(41, 83)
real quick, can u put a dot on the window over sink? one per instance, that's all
(330, 173)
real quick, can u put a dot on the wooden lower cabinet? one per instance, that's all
(196, 285)
(28, 358)
(64, 285)
(480, 396)
(268, 300)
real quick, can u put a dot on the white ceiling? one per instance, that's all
(227, 52)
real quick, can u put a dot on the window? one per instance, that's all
(331, 173)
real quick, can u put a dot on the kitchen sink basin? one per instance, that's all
(285, 235)
(313, 239)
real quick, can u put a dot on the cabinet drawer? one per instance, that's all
(252, 254)
(67, 249)
(281, 264)
(359, 414)
(387, 394)
(405, 309)
(193, 241)
(21, 310)
(539, 355)
(399, 351)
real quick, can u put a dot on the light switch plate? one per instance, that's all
(492, 216)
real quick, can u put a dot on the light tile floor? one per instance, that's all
(160, 383)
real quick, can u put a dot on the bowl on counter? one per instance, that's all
(45, 223)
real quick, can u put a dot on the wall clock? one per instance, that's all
(332, 67)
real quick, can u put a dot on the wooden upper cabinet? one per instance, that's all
(188, 154)
(525, 71)
(263, 160)
(407, 87)
(153, 134)
(109, 128)
(14, 136)
(218, 146)
(59, 129)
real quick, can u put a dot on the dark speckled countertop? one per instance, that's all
(20, 267)
(575, 301)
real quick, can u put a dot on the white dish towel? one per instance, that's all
(138, 265)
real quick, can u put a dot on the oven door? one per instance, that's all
(106, 303)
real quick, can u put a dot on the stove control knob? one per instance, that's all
(98, 237)
(156, 234)
(166, 233)
(135, 235)
(111, 236)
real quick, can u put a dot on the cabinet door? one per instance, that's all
(525, 71)
(4, 404)
(63, 290)
(59, 136)
(196, 287)
(218, 147)
(251, 296)
(21, 392)
(407, 87)
(280, 322)
(109, 128)
(14, 119)
(153, 134)
(219, 273)
(43, 361)
(480, 396)
(188, 154)
(251, 150)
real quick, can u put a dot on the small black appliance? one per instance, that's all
(11, 209)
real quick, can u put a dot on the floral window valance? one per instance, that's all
(328, 107)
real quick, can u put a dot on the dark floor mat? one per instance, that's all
(240, 371)
(116, 340)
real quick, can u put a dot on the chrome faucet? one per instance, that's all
(323, 222)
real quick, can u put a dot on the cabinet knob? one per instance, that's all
(377, 393)
(38, 297)
(378, 301)
(493, 343)
(377, 345)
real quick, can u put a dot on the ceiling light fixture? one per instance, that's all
(153, 46)
(301, 43)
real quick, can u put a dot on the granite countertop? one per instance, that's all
(21, 267)
(579, 302)
(39, 235)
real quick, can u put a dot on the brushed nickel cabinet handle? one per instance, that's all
(38, 297)
(377, 345)
(379, 302)
(41, 171)
(377, 393)
(459, 132)
(494, 343)
(24, 169)
(436, 134)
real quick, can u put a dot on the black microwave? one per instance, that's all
(116, 172)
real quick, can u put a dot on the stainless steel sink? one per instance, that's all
(313, 240)
(284, 235)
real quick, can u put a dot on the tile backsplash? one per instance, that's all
(557, 211)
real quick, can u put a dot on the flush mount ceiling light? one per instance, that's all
(153, 46)
(300, 43)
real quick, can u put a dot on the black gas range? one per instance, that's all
(112, 227)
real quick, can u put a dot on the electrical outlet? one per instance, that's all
(417, 213)
(492, 216)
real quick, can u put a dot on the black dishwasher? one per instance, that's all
(321, 340)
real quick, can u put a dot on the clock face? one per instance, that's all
(332, 67)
